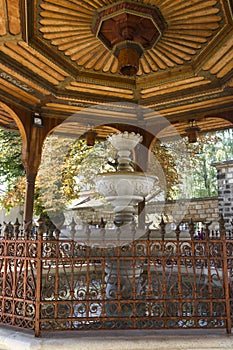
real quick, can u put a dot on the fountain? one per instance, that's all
(124, 189)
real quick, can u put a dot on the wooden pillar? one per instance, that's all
(31, 157)
(29, 199)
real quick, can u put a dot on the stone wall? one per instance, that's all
(225, 190)
(201, 209)
(197, 209)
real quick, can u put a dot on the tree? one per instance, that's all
(11, 166)
(83, 163)
(167, 173)
(12, 172)
(211, 147)
(194, 169)
(69, 166)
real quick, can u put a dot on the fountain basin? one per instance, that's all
(124, 189)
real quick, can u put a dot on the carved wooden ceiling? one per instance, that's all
(53, 62)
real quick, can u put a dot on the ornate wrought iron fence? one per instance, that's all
(128, 280)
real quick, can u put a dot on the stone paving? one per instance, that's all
(115, 340)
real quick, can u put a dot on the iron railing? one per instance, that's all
(100, 279)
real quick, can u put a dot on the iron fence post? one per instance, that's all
(37, 329)
(225, 275)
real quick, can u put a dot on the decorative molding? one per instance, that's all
(16, 82)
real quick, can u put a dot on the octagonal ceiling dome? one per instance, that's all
(53, 62)
(66, 27)
(127, 20)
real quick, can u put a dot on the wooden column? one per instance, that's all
(29, 200)
(31, 157)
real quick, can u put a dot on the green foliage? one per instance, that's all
(168, 175)
(210, 148)
(50, 195)
(224, 146)
(14, 194)
(194, 169)
(11, 166)
(82, 164)
(68, 166)
(12, 172)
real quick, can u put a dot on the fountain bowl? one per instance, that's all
(124, 189)
(124, 141)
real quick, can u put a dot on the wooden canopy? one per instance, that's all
(52, 62)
